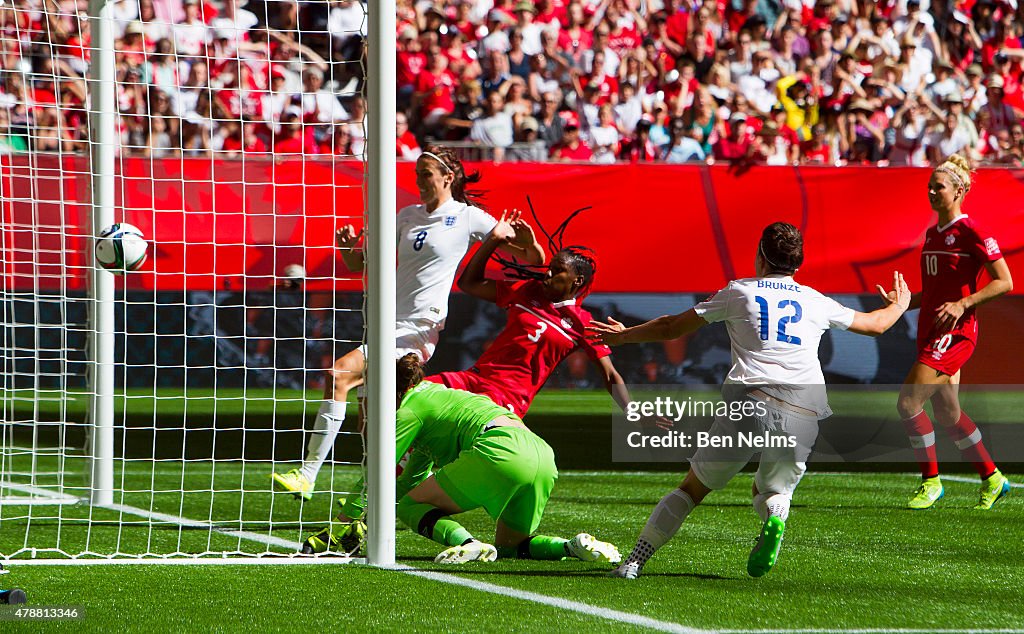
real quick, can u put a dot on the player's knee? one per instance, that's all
(772, 505)
(947, 415)
(908, 405)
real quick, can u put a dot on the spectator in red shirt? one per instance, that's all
(242, 137)
(1002, 38)
(411, 61)
(737, 145)
(575, 38)
(623, 36)
(677, 22)
(550, 12)
(1004, 67)
(463, 22)
(817, 150)
(291, 138)
(435, 88)
(571, 148)
(641, 149)
(737, 19)
(606, 85)
(339, 143)
(407, 148)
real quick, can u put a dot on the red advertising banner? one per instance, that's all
(657, 228)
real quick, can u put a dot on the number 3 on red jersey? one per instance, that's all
(541, 327)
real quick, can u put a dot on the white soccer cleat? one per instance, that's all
(473, 551)
(628, 570)
(588, 548)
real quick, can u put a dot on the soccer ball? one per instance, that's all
(121, 248)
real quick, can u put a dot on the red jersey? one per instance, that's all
(538, 335)
(438, 89)
(952, 260)
(568, 153)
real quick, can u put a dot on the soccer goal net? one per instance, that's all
(144, 412)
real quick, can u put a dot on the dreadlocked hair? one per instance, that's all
(582, 259)
(410, 373)
(782, 247)
(459, 191)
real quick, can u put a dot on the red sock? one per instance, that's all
(967, 437)
(922, 439)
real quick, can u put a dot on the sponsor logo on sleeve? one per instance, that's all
(991, 246)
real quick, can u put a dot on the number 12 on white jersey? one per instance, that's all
(792, 317)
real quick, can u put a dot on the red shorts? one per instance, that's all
(947, 354)
(472, 382)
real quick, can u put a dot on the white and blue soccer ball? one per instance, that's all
(121, 248)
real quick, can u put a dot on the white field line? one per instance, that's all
(268, 540)
(1013, 485)
(556, 602)
(40, 495)
(269, 560)
(542, 599)
(874, 630)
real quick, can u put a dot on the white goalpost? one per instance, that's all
(380, 261)
(143, 413)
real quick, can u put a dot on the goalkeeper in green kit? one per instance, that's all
(483, 456)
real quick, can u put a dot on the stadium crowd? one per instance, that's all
(836, 82)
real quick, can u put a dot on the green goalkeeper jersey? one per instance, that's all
(437, 423)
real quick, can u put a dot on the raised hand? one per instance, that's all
(504, 231)
(900, 291)
(524, 232)
(609, 333)
(347, 237)
(898, 285)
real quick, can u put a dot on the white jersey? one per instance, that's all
(775, 326)
(430, 248)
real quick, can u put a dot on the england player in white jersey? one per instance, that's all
(433, 237)
(775, 325)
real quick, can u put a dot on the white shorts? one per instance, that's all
(414, 335)
(779, 469)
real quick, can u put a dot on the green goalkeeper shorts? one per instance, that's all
(509, 471)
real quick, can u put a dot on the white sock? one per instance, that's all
(772, 504)
(329, 418)
(665, 520)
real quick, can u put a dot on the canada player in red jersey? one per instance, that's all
(545, 324)
(955, 253)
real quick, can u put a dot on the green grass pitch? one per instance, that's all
(852, 559)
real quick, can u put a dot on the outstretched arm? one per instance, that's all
(613, 381)
(878, 321)
(474, 277)
(523, 243)
(348, 241)
(663, 328)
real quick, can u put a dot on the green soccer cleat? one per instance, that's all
(587, 548)
(766, 550)
(346, 538)
(992, 489)
(930, 492)
(472, 551)
(293, 482)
